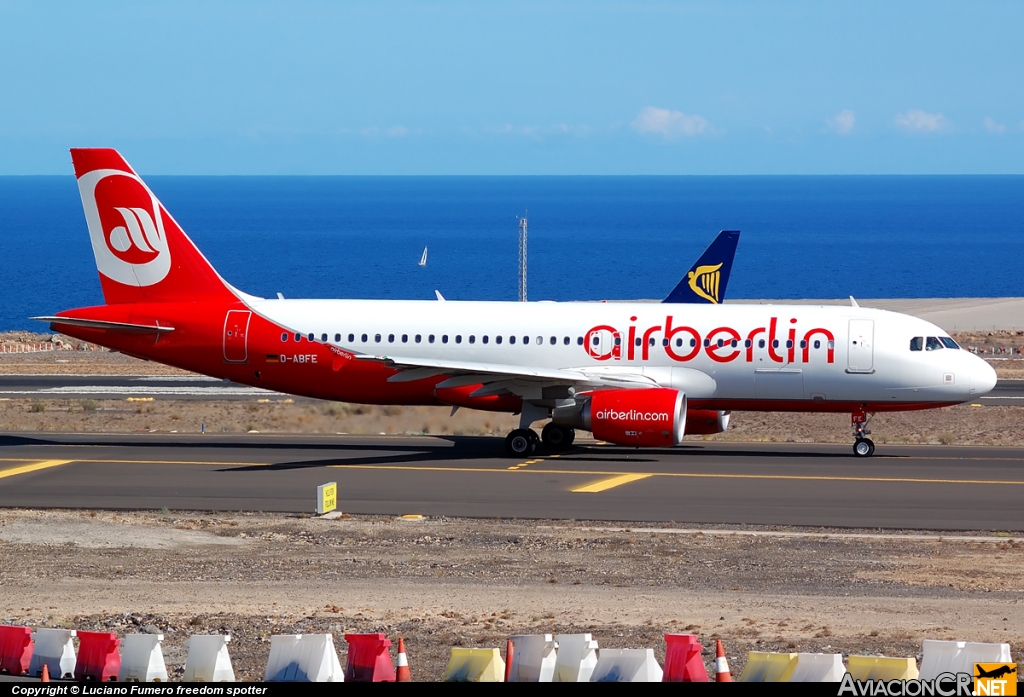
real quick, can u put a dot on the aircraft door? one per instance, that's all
(236, 336)
(861, 346)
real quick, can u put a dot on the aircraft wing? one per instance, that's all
(461, 373)
(706, 280)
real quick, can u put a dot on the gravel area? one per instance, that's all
(441, 583)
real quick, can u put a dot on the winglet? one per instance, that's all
(707, 279)
(439, 296)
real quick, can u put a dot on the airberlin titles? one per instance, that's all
(684, 343)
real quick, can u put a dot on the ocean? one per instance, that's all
(590, 238)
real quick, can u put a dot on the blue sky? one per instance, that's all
(515, 88)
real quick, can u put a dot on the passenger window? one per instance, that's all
(579, 341)
(376, 338)
(323, 338)
(651, 341)
(351, 337)
(693, 343)
(565, 341)
(405, 338)
(817, 343)
(444, 338)
(484, 338)
(637, 341)
(458, 338)
(337, 338)
(917, 343)
(932, 344)
(540, 340)
(618, 340)
(760, 343)
(789, 343)
(721, 343)
(596, 341)
(679, 343)
(284, 337)
(831, 344)
(497, 339)
(803, 343)
(775, 343)
(298, 337)
(526, 339)
(364, 338)
(312, 336)
(554, 340)
(707, 342)
(419, 338)
(512, 339)
(391, 338)
(948, 342)
(430, 338)
(748, 343)
(472, 339)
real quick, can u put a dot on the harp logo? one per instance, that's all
(704, 281)
(995, 678)
(126, 227)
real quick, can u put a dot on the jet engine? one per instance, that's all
(653, 417)
(704, 422)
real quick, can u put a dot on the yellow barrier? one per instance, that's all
(768, 667)
(879, 668)
(475, 665)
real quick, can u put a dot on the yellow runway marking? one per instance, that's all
(606, 484)
(693, 475)
(34, 467)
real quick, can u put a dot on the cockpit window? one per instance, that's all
(932, 344)
(948, 342)
(917, 343)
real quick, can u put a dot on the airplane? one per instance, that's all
(633, 374)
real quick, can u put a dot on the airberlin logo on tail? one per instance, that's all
(126, 227)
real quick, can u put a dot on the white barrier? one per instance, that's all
(959, 656)
(627, 665)
(303, 658)
(56, 649)
(818, 667)
(533, 659)
(208, 659)
(576, 659)
(141, 659)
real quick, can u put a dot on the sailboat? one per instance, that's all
(423, 259)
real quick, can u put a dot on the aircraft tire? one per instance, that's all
(863, 447)
(557, 438)
(522, 442)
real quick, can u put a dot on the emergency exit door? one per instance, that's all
(236, 331)
(861, 346)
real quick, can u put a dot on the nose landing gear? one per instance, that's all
(862, 445)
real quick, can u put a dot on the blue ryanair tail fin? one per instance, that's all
(706, 280)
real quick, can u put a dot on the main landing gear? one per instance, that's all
(862, 445)
(524, 442)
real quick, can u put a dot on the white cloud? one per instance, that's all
(389, 132)
(670, 124)
(991, 126)
(921, 121)
(843, 122)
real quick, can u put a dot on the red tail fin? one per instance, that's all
(141, 253)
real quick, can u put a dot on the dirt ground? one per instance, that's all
(441, 583)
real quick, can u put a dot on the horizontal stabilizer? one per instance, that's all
(108, 326)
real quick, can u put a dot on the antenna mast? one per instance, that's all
(522, 258)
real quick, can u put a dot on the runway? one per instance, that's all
(1006, 392)
(902, 487)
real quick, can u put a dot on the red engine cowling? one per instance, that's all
(703, 422)
(648, 417)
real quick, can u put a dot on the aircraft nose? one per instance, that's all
(983, 378)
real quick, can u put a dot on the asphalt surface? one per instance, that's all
(1006, 392)
(902, 487)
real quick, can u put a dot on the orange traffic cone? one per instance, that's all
(402, 673)
(510, 650)
(45, 675)
(722, 673)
